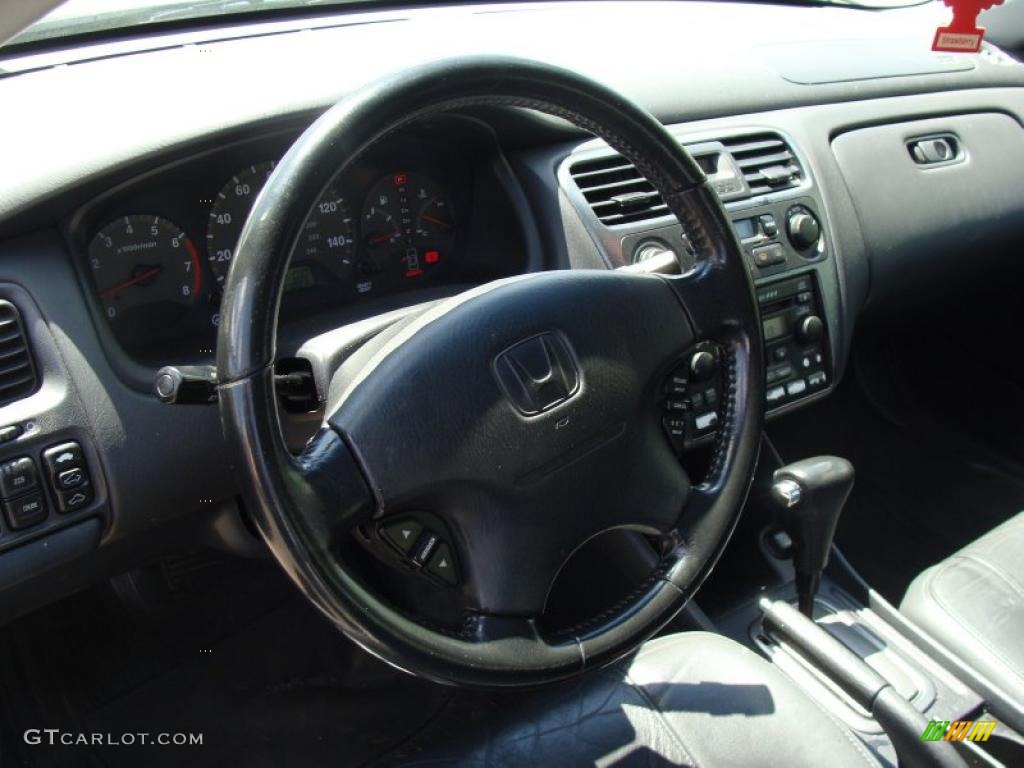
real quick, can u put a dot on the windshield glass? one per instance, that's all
(98, 17)
(86, 17)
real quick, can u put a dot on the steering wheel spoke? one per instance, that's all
(330, 486)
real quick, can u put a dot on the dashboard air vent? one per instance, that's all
(618, 194)
(17, 371)
(766, 161)
(616, 191)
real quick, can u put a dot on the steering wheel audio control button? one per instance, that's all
(429, 542)
(442, 565)
(402, 535)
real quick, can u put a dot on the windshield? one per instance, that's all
(98, 17)
(88, 17)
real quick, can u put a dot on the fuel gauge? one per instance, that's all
(408, 225)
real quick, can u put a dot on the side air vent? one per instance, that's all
(616, 191)
(766, 162)
(17, 371)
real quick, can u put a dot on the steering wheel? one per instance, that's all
(525, 416)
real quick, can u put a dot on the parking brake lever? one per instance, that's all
(808, 497)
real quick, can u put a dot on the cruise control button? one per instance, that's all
(443, 566)
(17, 476)
(403, 534)
(25, 511)
(71, 478)
(75, 499)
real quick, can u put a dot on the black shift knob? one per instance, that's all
(808, 496)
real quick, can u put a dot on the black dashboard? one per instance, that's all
(116, 234)
(422, 209)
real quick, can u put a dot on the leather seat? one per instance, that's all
(973, 603)
(692, 699)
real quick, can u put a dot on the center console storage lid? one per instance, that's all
(930, 214)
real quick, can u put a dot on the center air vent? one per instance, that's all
(618, 194)
(17, 372)
(766, 161)
(616, 191)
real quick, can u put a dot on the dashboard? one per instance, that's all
(116, 234)
(410, 215)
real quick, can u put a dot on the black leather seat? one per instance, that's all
(973, 603)
(692, 699)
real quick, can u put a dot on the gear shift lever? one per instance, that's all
(808, 496)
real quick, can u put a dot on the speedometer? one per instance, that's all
(323, 253)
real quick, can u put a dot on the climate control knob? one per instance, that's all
(810, 329)
(803, 229)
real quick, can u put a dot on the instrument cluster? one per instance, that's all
(158, 251)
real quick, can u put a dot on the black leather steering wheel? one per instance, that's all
(516, 491)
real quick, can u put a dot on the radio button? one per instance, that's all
(795, 388)
(703, 365)
(779, 373)
(706, 421)
(768, 225)
(810, 329)
(775, 394)
(817, 379)
(768, 255)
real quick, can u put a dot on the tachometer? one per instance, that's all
(144, 261)
(323, 252)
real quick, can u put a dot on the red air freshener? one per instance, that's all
(962, 35)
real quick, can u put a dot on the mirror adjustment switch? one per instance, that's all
(402, 535)
(26, 510)
(442, 565)
(17, 476)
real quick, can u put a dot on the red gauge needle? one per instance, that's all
(386, 236)
(439, 222)
(116, 289)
